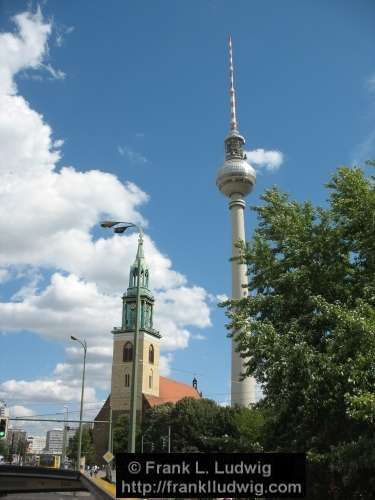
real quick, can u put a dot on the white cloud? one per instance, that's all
(44, 390)
(61, 32)
(132, 156)
(24, 49)
(56, 74)
(54, 212)
(198, 336)
(20, 411)
(365, 150)
(260, 158)
(165, 364)
(222, 297)
(4, 275)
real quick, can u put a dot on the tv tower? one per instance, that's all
(236, 179)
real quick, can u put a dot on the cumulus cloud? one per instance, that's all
(60, 207)
(24, 49)
(165, 364)
(45, 390)
(269, 160)
(20, 411)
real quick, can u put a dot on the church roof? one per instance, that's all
(171, 391)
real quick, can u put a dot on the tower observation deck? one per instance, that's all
(236, 179)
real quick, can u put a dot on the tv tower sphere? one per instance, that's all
(236, 179)
(236, 176)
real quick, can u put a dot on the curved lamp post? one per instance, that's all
(119, 228)
(84, 345)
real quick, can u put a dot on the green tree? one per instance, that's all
(121, 433)
(155, 427)
(4, 448)
(202, 425)
(87, 446)
(308, 325)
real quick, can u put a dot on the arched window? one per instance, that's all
(127, 380)
(151, 354)
(128, 352)
(150, 379)
(146, 278)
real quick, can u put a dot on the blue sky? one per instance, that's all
(137, 92)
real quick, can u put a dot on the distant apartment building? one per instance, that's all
(54, 440)
(36, 444)
(16, 440)
(4, 411)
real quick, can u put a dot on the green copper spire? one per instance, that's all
(140, 254)
(129, 298)
(144, 271)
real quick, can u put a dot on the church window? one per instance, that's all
(127, 380)
(128, 352)
(150, 380)
(151, 354)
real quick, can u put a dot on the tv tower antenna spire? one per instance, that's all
(232, 92)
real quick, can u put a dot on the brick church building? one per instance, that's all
(153, 389)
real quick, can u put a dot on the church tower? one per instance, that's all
(123, 342)
(236, 179)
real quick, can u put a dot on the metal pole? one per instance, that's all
(110, 430)
(59, 420)
(63, 453)
(169, 438)
(142, 444)
(134, 392)
(81, 409)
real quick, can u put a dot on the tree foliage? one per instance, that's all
(87, 446)
(308, 326)
(202, 425)
(196, 425)
(4, 448)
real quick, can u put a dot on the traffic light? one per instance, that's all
(3, 428)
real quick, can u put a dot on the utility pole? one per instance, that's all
(134, 386)
(84, 345)
(120, 227)
(110, 430)
(169, 438)
(63, 454)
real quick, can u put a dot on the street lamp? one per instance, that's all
(119, 228)
(84, 345)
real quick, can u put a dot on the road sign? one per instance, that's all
(108, 456)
